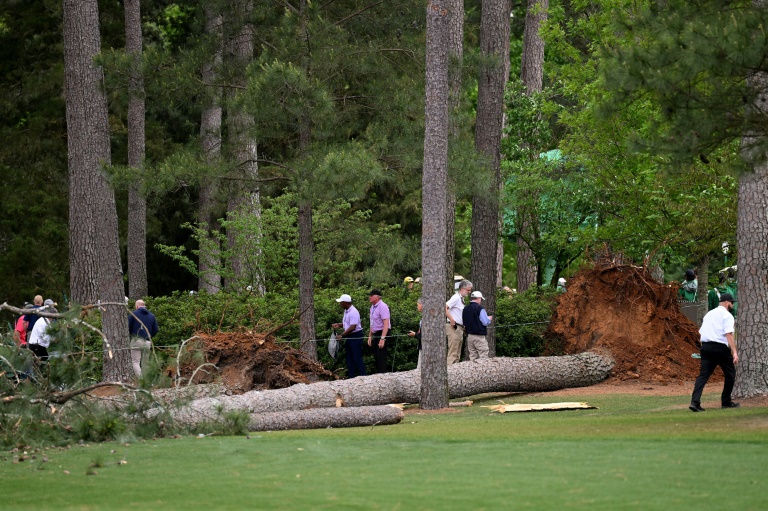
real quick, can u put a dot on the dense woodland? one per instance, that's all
(289, 146)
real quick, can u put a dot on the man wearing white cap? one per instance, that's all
(476, 321)
(352, 335)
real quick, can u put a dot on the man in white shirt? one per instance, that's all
(718, 348)
(454, 328)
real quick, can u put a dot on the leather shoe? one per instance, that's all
(732, 404)
(696, 408)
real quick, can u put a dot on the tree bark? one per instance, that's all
(137, 202)
(306, 280)
(701, 294)
(494, 46)
(91, 197)
(532, 76)
(434, 393)
(455, 64)
(326, 418)
(244, 199)
(752, 239)
(209, 279)
(464, 379)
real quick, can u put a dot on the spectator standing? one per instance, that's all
(689, 286)
(31, 319)
(476, 322)
(380, 326)
(39, 340)
(20, 331)
(718, 348)
(454, 328)
(352, 335)
(142, 326)
(417, 333)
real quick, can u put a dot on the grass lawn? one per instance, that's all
(634, 452)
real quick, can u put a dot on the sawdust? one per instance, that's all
(621, 310)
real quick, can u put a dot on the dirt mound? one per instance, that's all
(620, 309)
(249, 360)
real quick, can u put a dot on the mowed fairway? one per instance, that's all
(634, 452)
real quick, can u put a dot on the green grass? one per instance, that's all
(634, 452)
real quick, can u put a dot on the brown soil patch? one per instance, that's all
(621, 310)
(248, 360)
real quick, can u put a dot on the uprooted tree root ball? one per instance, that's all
(620, 309)
(249, 360)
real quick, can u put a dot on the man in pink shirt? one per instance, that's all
(380, 327)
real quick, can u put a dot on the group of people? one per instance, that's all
(32, 330)
(352, 333)
(471, 320)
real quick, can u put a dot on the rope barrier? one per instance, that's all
(173, 346)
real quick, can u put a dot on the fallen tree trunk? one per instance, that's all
(318, 418)
(464, 379)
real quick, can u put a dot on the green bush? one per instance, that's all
(521, 320)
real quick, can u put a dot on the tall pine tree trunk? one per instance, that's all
(752, 239)
(244, 199)
(434, 373)
(306, 234)
(455, 64)
(532, 75)
(306, 279)
(209, 279)
(137, 202)
(494, 45)
(91, 197)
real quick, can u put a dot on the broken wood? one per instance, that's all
(318, 418)
(464, 379)
(546, 407)
(460, 403)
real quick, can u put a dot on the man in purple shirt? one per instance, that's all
(380, 327)
(352, 335)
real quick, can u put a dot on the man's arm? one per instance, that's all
(732, 345)
(384, 333)
(448, 315)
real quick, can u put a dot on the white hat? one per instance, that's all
(49, 302)
(477, 294)
(344, 298)
(561, 281)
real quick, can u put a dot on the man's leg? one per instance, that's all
(455, 340)
(729, 370)
(481, 345)
(709, 362)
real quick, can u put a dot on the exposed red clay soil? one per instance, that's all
(621, 310)
(250, 360)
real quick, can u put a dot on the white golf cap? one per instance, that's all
(477, 294)
(344, 298)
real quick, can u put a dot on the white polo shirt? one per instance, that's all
(456, 307)
(716, 324)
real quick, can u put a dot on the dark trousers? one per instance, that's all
(40, 352)
(715, 354)
(379, 354)
(354, 346)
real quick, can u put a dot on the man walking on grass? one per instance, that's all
(718, 348)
